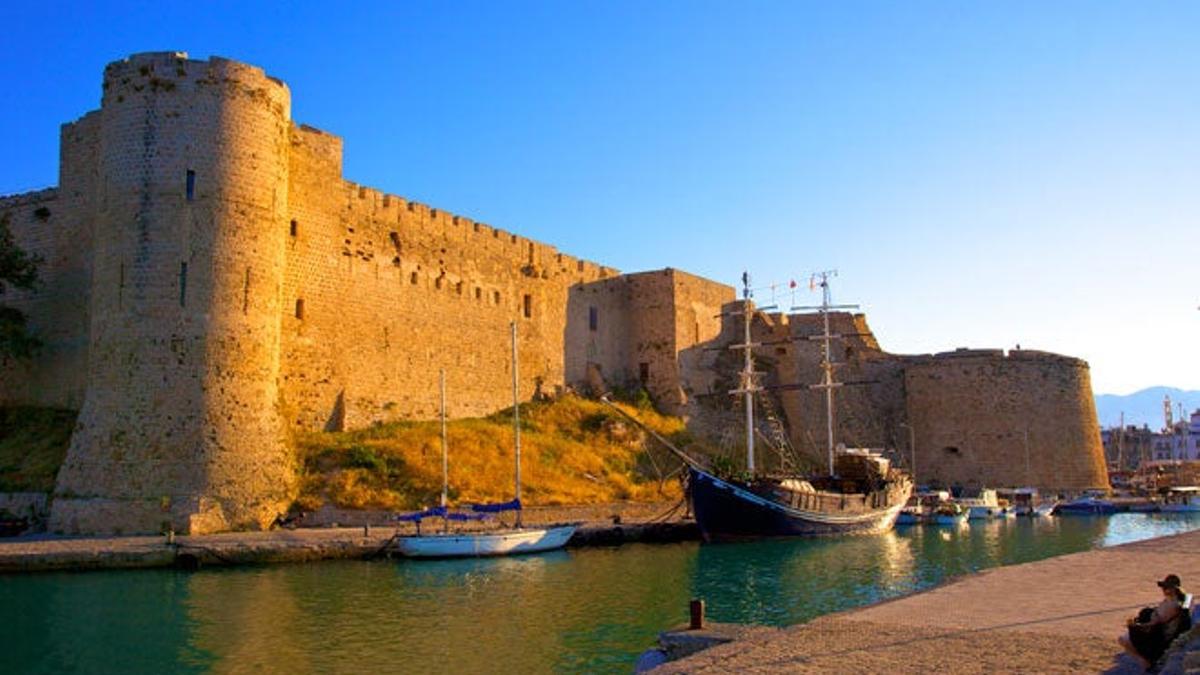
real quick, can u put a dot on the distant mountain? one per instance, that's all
(1144, 407)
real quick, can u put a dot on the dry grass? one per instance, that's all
(33, 444)
(574, 451)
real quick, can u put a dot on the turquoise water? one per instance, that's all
(587, 610)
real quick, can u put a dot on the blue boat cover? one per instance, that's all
(417, 516)
(442, 512)
(514, 505)
(467, 516)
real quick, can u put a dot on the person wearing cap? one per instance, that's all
(1153, 629)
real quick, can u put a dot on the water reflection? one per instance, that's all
(581, 610)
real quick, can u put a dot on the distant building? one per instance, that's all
(1128, 448)
(1180, 442)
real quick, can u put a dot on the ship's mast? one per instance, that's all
(827, 365)
(516, 420)
(746, 379)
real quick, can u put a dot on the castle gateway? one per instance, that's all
(211, 283)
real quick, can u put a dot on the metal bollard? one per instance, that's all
(697, 610)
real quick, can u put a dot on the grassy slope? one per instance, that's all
(33, 443)
(574, 451)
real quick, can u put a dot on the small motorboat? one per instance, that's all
(950, 514)
(1181, 500)
(910, 515)
(981, 505)
(1044, 509)
(1088, 505)
(1020, 501)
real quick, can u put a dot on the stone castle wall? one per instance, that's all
(381, 293)
(989, 418)
(650, 329)
(967, 413)
(211, 284)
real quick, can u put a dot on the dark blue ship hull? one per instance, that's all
(725, 510)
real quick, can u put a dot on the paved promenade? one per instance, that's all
(1060, 615)
(638, 522)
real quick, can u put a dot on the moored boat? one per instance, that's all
(910, 515)
(1088, 505)
(507, 541)
(1021, 501)
(490, 543)
(1044, 509)
(861, 493)
(950, 514)
(1181, 500)
(766, 507)
(981, 505)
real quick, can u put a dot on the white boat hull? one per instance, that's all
(473, 545)
(951, 521)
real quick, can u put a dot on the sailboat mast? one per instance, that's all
(748, 375)
(827, 381)
(827, 367)
(445, 462)
(516, 420)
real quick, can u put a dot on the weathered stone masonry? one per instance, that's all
(211, 283)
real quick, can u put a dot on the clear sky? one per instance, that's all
(981, 174)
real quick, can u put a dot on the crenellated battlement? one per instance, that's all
(22, 199)
(162, 73)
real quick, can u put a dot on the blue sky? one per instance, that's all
(981, 174)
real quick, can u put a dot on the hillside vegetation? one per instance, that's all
(574, 451)
(33, 444)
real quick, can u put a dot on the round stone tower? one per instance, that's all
(179, 426)
(982, 418)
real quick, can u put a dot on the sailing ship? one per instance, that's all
(861, 493)
(507, 541)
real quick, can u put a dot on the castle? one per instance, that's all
(211, 284)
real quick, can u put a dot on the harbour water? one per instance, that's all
(579, 610)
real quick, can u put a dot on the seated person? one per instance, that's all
(1155, 628)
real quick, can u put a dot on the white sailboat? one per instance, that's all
(507, 541)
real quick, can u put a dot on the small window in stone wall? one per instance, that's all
(458, 288)
(496, 297)
(644, 372)
(478, 293)
(182, 284)
(300, 308)
(593, 318)
(294, 228)
(527, 305)
(246, 293)
(437, 283)
(191, 185)
(951, 450)
(412, 278)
